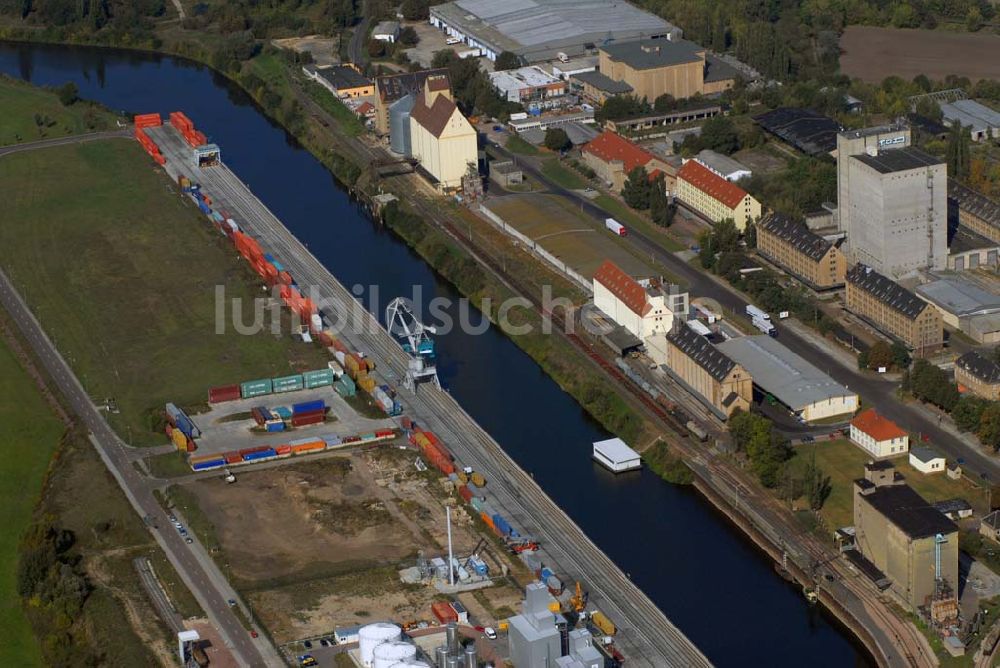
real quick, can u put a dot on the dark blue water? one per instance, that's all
(711, 583)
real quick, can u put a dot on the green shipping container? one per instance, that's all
(318, 378)
(255, 388)
(287, 383)
(345, 387)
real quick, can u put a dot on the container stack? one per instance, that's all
(309, 412)
(433, 451)
(143, 121)
(185, 127)
(182, 430)
(302, 446)
(223, 393)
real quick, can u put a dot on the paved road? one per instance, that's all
(359, 38)
(648, 637)
(873, 390)
(65, 141)
(196, 569)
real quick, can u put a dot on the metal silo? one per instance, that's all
(399, 124)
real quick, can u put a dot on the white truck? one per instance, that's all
(755, 312)
(615, 227)
(766, 326)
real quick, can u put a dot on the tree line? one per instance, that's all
(930, 384)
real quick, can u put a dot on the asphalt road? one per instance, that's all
(359, 38)
(874, 391)
(647, 637)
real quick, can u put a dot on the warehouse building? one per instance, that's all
(902, 535)
(708, 373)
(441, 138)
(879, 436)
(858, 142)
(531, 86)
(893, 309)
(393, 87)
(969, 250)
(597, 87)
(976, 211)
(715, 198)
(799, 385)
(809, 131)
(612, 157)
(978, 374)
(896, 211)
(649, 122)
(643, 310)
(656, 67)
(801, 252)
(538, 30)
(723, 165)
(982, 122)
(965, 306)
(344, 81)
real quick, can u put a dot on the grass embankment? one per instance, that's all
(562, 175)
(123, 276)
(844, 463)
(31, 114)
(30, 435)
(348, 120)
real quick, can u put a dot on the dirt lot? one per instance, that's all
(548, 220)
(323, 49)
(872, 54)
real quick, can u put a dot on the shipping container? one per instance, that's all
(465, 493)
(255, 388)
(385, 433)
(275, 425)
(180, 440)
(312, 446)
(477, 479)
(345, 387)
(303, 420)
(331, 440)
(217, 395)
(600, 620)
(444, 612)
(286, 383)
(210, 464)
(233, 458)
(266, 453)
(306, 406)
(366, 383)
(283, 450)
(318, 378)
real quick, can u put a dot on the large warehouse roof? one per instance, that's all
(537, 26)
(959, 297)
(807, 130)
(791, 379)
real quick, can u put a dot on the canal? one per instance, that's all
(710, 581)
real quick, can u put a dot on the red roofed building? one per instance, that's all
(715, 198)
(641, 310)
(613, 157)
(879, 436)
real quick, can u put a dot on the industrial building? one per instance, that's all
(857, 142)
(655, 67)
(723, 165)
(612, 157)
(538, 30)
(978, 374)
(386, 31)
(799, 385)
(643, 310)
(896, 214)
(506, 173)
(597, 87)
(982, 122)
(906, 538)
(801, 252)
(715, 198)
(965, 306)
(393, 87)
(926, 460)
(969, 250)
(976, 211)
(616, 456)
(708, 373)
(531, 86)
(441, 138)
(652, 122)
(808, 131)
(344, 81)
(879, 436)
(893, 309)
(535, 636)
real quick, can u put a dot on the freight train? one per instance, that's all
(303, 446)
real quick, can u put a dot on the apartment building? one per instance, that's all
(801, 252)
(704, 191)
(894, 310)
(978, 374)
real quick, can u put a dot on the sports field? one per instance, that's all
(122, 272)
(872, 54)
(576, 240)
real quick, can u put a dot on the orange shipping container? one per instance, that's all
(489, 520)
(312, 446)
(283, 450)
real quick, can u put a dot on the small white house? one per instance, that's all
(616, 456)
(926, 460)
(386, 31)
(879, 436)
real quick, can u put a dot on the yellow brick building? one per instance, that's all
(799, 251)
(894, 310)
(715, 198)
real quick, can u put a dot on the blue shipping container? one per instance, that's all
(210, 464)
(269, 257)
(306, 406)
(277, 425)
(263, 454)
(278, 265)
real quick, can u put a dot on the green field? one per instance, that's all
(844, 462)
(562, 175)
(515, 144)
(20, 103)
(122, 273)
(30, 435)
(348, 120)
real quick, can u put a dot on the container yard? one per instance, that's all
(460, 442)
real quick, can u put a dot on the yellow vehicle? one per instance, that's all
(477, 479)
(603, 623)
(503, 625)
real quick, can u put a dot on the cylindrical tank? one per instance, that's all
(441, 656)
(471, 659)
(412, 664)
(453, 662)
(389, 653)
(399, 125)
(372, 635)
(451, 633)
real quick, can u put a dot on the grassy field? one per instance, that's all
(517, 145)
(123, 276)
(844, 462)
(21, 103)
(563, 175)
(30, 435)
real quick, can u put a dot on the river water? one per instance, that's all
(695, 566)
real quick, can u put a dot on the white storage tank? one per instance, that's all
(372, 635)
(388, 654)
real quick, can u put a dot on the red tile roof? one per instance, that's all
(609, 146)
(876, 426)
(623, 286)
(711, 183)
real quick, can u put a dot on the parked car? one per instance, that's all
(490, 633)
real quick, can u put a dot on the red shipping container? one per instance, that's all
(385, 433)
(223, 393)
(303, 420)
(147, 120)
(285, 278)
(465, 493)
(191, 447)
(233, 458)
(283, 450)
(444, 612)
(259, 448)
(169, 430)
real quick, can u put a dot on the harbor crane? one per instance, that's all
(401, 321)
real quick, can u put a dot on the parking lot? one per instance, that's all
(227, 426)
